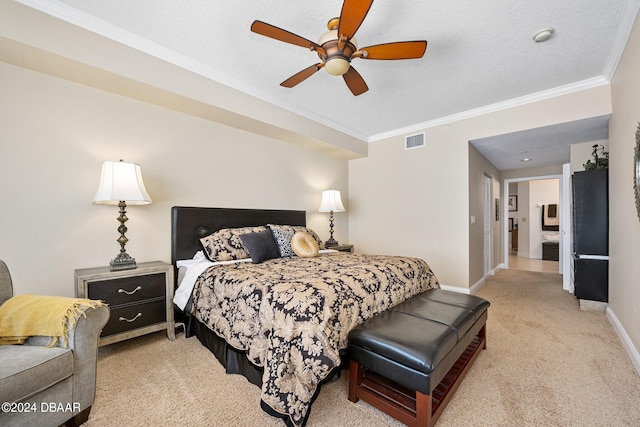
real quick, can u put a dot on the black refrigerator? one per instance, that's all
(590, 193)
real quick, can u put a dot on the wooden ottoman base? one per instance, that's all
(410, 407)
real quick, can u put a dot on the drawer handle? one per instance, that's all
(122, 291)
(124, 319)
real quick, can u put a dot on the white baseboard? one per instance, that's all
(625, 339)
(454, 289)
(476, 286)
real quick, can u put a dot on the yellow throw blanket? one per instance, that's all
(24, 316)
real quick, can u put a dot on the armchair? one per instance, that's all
(49, 386)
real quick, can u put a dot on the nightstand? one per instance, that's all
(140, 299)
(342, 248)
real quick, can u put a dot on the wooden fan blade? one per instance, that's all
(355, 82)
(302, 75)
(397, 50)
(351, 17)
(274, 32)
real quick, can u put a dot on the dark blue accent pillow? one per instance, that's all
(261, 246)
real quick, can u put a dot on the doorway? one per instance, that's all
(527, 218)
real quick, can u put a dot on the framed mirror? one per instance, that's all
(636, 171)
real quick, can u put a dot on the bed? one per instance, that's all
(283, 322)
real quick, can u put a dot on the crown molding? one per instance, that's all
(109, 31)
(627, 20)
(499, 106)
(95, 25)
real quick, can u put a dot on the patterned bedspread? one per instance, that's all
(292, 315)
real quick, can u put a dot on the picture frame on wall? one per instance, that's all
(513, 203)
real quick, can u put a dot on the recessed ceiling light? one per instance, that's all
(526, 159)
(543, 35)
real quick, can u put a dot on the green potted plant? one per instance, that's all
(600, 162)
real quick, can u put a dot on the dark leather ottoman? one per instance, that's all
(408, 360)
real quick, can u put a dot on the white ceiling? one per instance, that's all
(549, 145)
(480, 53)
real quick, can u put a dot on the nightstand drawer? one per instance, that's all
(126, 290)
(135, 316)
(142, 297)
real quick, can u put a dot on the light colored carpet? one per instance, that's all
(547, 364)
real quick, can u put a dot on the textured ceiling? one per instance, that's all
(479, 52)
(549, 145)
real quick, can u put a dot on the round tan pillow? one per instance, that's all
(304, 245)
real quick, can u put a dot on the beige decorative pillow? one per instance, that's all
(304, 245)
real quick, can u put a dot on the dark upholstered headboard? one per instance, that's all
(190, 224)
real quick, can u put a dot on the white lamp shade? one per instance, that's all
(121, 181)
(331, 201)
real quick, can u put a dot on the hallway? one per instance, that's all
(530, 264)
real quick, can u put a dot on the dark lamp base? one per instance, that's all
(331, 242)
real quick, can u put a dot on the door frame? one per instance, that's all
(563, 249)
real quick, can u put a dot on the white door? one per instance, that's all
(488, 246)
(566, 260)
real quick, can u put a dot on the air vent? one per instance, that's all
(414, 141)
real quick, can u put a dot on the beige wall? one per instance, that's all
(624, 227)
(479, 167)
(581, 153)
(416, 202)
(55, 136)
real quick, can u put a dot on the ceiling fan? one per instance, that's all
(338, 47)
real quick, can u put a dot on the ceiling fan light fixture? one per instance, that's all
(328, 36)
(332, 35)
(337, 66)
(338, 46)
